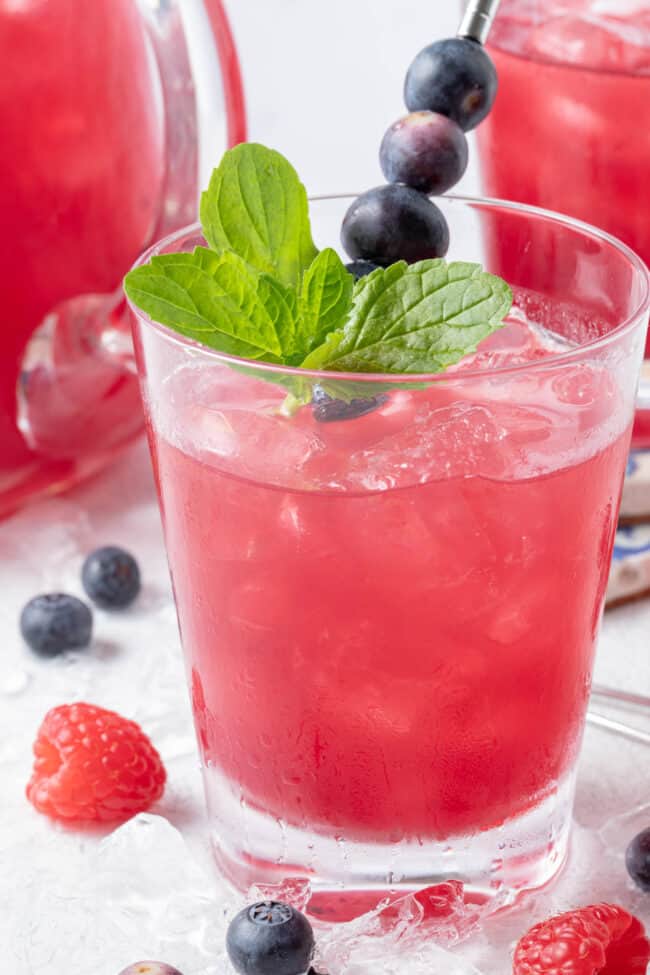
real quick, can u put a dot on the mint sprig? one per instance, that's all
(261, 290)
(256, 206)
(217, 300)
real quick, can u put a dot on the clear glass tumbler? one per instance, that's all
(566, 130)
(389, 621)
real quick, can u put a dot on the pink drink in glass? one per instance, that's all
(566, 131)
(328, 616)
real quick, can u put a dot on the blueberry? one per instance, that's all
(392, 223)
(637, 860)
(360, 268)
(111, 577)
(456, 78)
(270, 938)
(426, 150)
(56, 622)
(150, 968)
(326, 409)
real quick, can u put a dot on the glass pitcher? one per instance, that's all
(567, 128)
(111, 118)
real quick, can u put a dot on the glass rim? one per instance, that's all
(565, 356)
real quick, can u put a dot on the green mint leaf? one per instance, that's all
(256, 206)
(281, 304)
(262, 291)
(325, 300)
(219, 301)
(416, 318)
(319, 358)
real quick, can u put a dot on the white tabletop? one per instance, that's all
(323, 81)
(65, 898)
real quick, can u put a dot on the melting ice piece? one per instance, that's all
(439, 912)
(412, 933)
(293, 890)
(604, 43)
(15, 682)
(163, 903)
(137, 894)
(620, 830)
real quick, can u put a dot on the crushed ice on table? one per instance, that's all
(72, 902)
(136, 894)
(293, 890)
(14, 682)
(413, 931)
(140, 893)
(372, 954)
(393, 938)
(425, 921)
(619, 831)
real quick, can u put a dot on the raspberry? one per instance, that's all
(599, 940)
(92, 764)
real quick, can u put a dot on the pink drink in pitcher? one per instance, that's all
(100, 149)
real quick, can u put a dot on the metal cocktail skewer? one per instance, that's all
(477, 19)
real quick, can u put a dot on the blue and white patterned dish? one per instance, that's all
(629, 576)
(635, 503)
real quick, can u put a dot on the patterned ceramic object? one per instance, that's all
(630, 572)
(635, 503)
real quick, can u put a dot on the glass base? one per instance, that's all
(349, 878)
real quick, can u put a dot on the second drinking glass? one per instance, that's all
(566, 130)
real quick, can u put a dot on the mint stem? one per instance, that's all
(290, 405)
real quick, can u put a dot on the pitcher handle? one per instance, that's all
(230, 72)
(77, 394)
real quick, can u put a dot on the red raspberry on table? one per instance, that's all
(93, 765)
(599, 940)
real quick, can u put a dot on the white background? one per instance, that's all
(324, 79)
